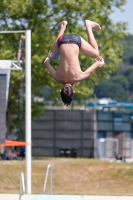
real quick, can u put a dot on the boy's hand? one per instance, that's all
(100, 61)
(49, 54)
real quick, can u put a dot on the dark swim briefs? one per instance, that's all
(69, 39)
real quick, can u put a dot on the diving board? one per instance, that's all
(56, 197)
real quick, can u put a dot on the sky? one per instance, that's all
(125, 16)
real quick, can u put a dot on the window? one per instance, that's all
(117, 121)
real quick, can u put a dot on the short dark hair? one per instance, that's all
(67, 94)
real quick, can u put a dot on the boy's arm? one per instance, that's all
(50, 68)
(93, 67)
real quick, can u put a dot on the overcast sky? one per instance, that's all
(125, 16)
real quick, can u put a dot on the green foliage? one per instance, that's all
(120, 84)
(119, 87)
(41, 17)
(128, 50)
(129, 75)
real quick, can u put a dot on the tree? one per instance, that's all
(118, 87)
(41, 17)
(115, 88)
(129, 76)
(128, 49)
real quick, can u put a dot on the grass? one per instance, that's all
(71, 176)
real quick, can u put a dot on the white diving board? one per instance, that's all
(56, 197)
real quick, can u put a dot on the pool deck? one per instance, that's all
(85, 197)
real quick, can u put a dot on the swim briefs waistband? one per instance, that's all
(69, 39)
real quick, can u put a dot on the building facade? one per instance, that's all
(116, 127)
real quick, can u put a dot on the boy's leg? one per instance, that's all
(90, 48)
(55, 51)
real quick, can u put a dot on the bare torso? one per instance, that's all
(69, 70)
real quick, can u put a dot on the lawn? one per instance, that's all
(71, 176)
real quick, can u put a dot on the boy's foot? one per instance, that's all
(63, 23)
(93, 25)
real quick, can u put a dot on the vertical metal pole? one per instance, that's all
(95, 121)
(28, 111)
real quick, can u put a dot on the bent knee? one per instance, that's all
(96, 54)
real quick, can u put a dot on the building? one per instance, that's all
(90, 133)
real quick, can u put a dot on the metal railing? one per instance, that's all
(46, 177)
(22, 185)
(11, 65)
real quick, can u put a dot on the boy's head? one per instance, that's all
(67, 94)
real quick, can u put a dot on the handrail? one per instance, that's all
(22, 185)
(46, 177)
(14, 65)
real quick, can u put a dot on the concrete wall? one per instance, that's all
(66, 129)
